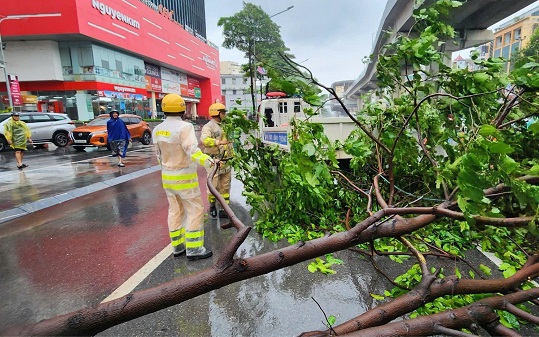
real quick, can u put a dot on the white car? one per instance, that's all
(46, 127)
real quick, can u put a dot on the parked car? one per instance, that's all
(94, 134)
(46, 127)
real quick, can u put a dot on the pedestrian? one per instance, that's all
(149, 114)
(17, 135)
(217, 146)
(118, 136)
(178, 154)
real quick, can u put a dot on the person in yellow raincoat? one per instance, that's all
(217, 146)
(17, 135)
(177, 151)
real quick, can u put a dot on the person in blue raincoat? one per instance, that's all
(17, 135)
(118, 136)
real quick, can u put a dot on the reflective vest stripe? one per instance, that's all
(189, 176)
(179, 187)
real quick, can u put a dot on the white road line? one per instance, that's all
(140, 275)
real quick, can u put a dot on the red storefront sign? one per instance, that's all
(15, 90)
(193, 87)
(153, 84)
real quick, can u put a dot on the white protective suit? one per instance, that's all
(178, 153)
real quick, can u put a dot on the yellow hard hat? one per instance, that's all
(215, 108)
(173, 103)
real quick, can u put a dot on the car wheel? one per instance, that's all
(3, 144)
(79, 148)
(60, 139)
(146, 138)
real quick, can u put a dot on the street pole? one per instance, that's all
(4, 65)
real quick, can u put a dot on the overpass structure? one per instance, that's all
(471, 21)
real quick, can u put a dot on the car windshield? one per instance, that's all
(98, 121)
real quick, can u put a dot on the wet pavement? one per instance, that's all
(99, 224)
(69, 254)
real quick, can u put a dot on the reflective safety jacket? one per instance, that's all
(17, 132)
(211, 132)
(178, 153)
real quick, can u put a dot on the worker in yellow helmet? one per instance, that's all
(177, 151)
(217, 146)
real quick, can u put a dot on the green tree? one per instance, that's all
(252, 31)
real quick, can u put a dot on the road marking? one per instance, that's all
(140, 275)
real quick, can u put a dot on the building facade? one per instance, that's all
(235, 87)
(512, 36)
(97, 55)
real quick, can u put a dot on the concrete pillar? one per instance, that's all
(84, 105)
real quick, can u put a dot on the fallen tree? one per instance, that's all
(443, 161)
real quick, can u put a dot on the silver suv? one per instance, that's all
(46, 127)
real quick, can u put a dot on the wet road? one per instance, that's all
(77, 252)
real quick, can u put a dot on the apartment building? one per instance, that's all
(514, 35)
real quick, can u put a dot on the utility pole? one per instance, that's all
(252, 66)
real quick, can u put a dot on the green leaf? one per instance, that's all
(377, 297)
(486, 270)
(499, 147)
(487, 130)
(481, 77)
(331, 320)
(309, 149)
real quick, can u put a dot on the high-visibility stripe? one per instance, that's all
(179, 242)
(194, 234)
(209, 142)
(199, 157)
(189, 176)
(194, 244)
(177, 233)
(179, 187)
(211, 198)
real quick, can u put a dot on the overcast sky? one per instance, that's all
(333, 36)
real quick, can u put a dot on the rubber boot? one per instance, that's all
(222, 214)
(213, 211)
(178, 250)
(198, 253)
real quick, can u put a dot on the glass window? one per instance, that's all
(126, 120)
(233, 80)
(134, 120)
(282, 107)
(234, 92)
(498, 42)
(25, 118)
(40, 118)
(507, 38)
(223, 81)
(297, 107)
(57, 117)
(497, 53)
(516, 34)
(505, 52)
